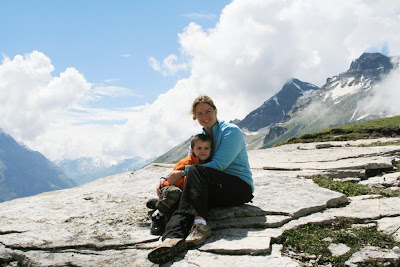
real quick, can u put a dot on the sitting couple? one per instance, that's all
(221, 179)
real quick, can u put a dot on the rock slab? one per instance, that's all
(106, 223)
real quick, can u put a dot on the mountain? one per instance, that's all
(344, 99)
(24, 172)
(175, 154)
(84, 170)
(300, 107)
(274, 109)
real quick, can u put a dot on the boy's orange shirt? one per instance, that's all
(189, 160)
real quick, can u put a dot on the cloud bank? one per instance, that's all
(246, 58)
(31, 98)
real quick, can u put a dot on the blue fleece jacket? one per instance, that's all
(229, 152)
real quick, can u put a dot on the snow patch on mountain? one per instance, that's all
(246, 131)
(340, 91)
(276, 100)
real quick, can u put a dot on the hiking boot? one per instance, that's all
(157, 225)
(167, 250)
(198, 235)
(151, 203)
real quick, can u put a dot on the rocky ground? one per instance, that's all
(105, 223)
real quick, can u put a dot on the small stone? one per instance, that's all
(380, 165)
(396, 250)
(338, 249)
(320, 146)
(367, 225)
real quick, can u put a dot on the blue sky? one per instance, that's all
(108, 41)
(115, 79)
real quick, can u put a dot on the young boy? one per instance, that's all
(167, 203)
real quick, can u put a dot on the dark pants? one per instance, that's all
(205, 188)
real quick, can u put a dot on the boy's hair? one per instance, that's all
(201, 137)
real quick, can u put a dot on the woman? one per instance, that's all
(224, 181)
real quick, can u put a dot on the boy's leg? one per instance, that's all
(170, 196)
(196, 188)
(166, 205)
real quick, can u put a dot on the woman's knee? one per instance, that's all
(195, 171)
(197, 175)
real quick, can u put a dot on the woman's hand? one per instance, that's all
(174, 177)
(159, 186)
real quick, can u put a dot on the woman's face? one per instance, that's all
(206, 115)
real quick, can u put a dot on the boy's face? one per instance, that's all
(202, 149)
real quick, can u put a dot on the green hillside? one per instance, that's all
(386, 127)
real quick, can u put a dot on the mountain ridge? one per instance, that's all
(340, 101)
(24, 172)
(275, 108)
(85, 169)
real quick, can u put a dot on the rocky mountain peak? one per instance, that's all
(275, 108)
(371, 65)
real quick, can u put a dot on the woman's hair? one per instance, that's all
(201, 137)
(201, 99)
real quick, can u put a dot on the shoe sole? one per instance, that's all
(165, 254)
(159, 233)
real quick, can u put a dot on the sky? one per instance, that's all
(116, 79)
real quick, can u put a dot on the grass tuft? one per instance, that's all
(312, 239)
(352, 189)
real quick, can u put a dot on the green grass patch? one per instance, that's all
(309, 239)
(352, 189)
(386, 127)
(379, 143)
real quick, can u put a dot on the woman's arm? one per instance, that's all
(229, 147)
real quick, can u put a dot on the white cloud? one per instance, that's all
(112, 91)
(154, 63)
(258, 45)
(30, 98)
(386, 98)
(108, 81)
(208, 16)
(252, 51)
(170, 65)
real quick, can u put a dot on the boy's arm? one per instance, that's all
(181, 168)
(160, 185)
